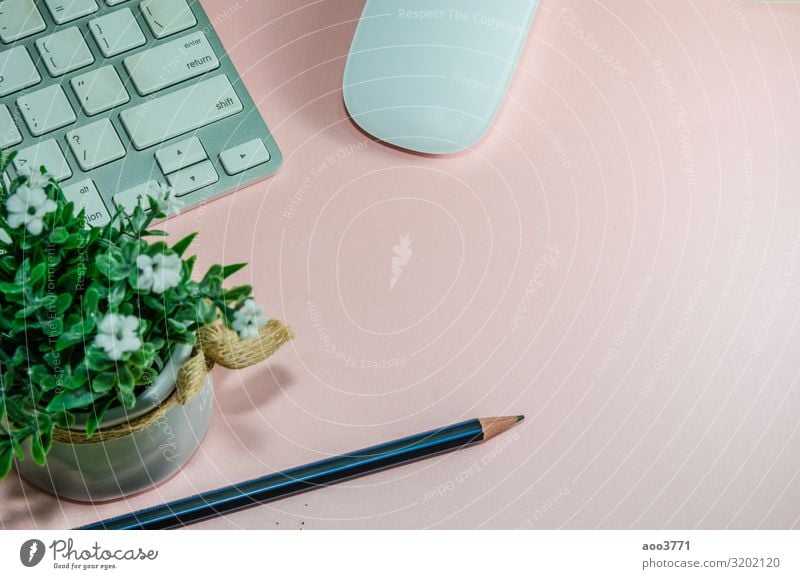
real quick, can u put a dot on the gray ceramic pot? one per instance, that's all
(104, 471)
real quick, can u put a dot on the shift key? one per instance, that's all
(182, 111)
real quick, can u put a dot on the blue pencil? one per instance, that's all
(308, 477)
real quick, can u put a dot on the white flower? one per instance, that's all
(249, 319)
(168, 203)
(36, 178)
(30, 204)
(159, 273)
(116, 334)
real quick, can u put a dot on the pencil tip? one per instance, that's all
(520, 417)
(497, 424)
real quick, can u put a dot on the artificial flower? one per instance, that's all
(168, 203)
(248, 320)
(159, 273)
(30, 204)
(117, 334)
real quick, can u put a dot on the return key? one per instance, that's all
(170, 63)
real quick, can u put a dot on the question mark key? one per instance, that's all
(95, 144)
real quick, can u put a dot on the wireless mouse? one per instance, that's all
(429, 75)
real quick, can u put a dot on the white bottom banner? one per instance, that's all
(390, 554)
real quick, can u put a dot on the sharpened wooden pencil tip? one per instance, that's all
(498, 424)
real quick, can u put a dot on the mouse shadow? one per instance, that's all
(313, 76)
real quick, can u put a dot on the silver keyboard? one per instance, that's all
(117, 96)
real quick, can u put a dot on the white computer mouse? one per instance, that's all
(429, 75)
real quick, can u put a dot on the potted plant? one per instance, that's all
(106, 339)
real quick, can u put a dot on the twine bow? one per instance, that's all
(216, 344)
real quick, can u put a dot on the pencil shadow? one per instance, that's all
(23, 503)
(248, 390)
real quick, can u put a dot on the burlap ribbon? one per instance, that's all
(216, 344)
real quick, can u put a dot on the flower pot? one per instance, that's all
(110, 467)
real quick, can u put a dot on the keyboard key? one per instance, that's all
(68, 10)
(180, 155)
(170, 63)
(99, 90)
(117, 32)
(45, 153)
(18, 71)
(85, 196)
(245, 156)
(18, 19)
(9, 132)
(193, 178)
(64, 51)
(95, 144)
(165, 17)
(46, 110)
(180, 112)
(130, 198)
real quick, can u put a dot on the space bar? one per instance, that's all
(179, 112)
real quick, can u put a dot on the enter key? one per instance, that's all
(170, 63)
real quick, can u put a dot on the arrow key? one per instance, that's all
(243, 157)
(193, 178)
(180, 155)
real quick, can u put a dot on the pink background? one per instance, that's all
(617, 260)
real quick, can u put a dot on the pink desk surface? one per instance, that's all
(618, 260)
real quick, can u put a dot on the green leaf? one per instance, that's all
(97, 361)
(176, 326)
(53, 328)
(48, 383)
(206, 313)
(113, 265)
(37, 273)
(127, 382)
(59, 235)
(16, 447)
(96, 416)
(44, 434)
(11, 288)
(229, 270)
(74, 241)
(71, 400)
(104, 382)
(63, 420)
(184, 244)
(77, 379)
(37, 451)
(6, 458)
(117, 294)
(241, 292)
(126, 398)
(91, 299)
(213, 274)
(39, 372)
(78, 333)
(62, 304)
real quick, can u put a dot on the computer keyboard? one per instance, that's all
(115, 97)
